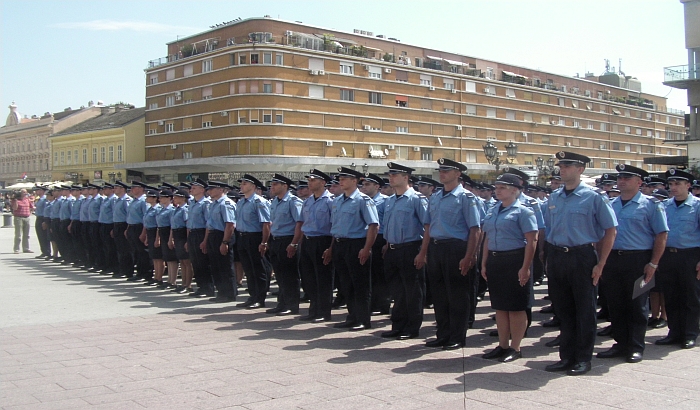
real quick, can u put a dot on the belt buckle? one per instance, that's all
(435, 241)
(392, 246)
(565, 249)
(620, 252)
(673, 250)
(493, 253)
(337, 240)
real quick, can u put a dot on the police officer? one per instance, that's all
(695, 188)
(219, 238)
(313, 234)
(679, 268)
(106, 221)
(64, 220)
(285, 213)
(86, 245)
(579, 216)
(454, 220)
(120, 209)
(44, 244)
(639, 244)
(46, 224)
(303, 191)
(134, 220)
(94, 233)
(196, 245)
(405, 217)
(252, 234)
(74, 227)
(381, 299)
(354, 226)
(426, 186)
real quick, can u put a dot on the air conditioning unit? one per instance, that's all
(161, 122)
(416, 149)
(525, 134)
(178, 94)
(224, 114)
(487, 90)
(289, 33)
(568, 144)
(313, 72)
(391, 147)
(329, 143)
(553, 122)
(453, 91)
(432, 88)
(387, 70)
(173, 146)
(366, 127)
(366, 67)
(459, 128)
(321, 72)
(178, 97)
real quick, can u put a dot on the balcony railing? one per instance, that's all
(682, 73)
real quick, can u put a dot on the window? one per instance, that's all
(188, 70)
(267, 88)
(545, 98)
(169, 100)
(527, 95)
(316, 64)
(279, 119)
(267, 117)
(545, 139)
(628, 130)
(401, 76)
(470, 109)
(577, 124)
(489, 73)
(603, 164)
(375, 98)
(169, 127)
(470, 86)
(63, 158)
(603, 126)
(206, 124)
(85, 155)
(401, 101)
(94, 155)
(561, 101)
(346, 68)
(544, 119)
(253, 86)
(206, 93)
(471, 156)
(590, 125)
(69, 157)
(426, 80)
(170, 74)
(527, 117)
(510, 115)
(374, 71)
(279, 59)
(111, 153)
(347, 95)
(426, 104)
(402, 129)
(254, 58)
(510, 92)
(600, 95)
(153, 78)
(75, 156)
(562, 121)
(491, 113)
(151, 131)
(120, 153)
(267, 58)
(449, 83)
(426, 154)
(242, 59)
(315, 91)
(638, 131)
(103, 154)
(153, 106)
(279, 87)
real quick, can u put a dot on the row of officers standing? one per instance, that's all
(406, 247)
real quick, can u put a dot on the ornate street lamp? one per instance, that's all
(545, 170)
(511, 151)
(491, 153)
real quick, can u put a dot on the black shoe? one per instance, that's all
(390, 334)
(493, 333)
(555, 322)
(547, 309)
(223, 299)
(579, 369)
(511, 355)
(495, 353)
(606, 331)
(245, 304)
(688, 344)
(92, 270)
(256, 305)
(202, 294)
(547, 297)
(554, 343)
(305, 298)
(184, 289)
(135, 279)
(307, 318)
(115, 275)
(660, 324)
(615, 351)
(668, 340)
(359, 327)
(653, 321)
(436, 343)
(286, 312)
(344, 325)
(635, 357)
(321, 319)
(452, 346)
(275, 310)
(406, 336)
(560, 366)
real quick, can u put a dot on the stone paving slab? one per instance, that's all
(75, 340)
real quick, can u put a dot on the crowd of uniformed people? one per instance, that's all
(416, 242)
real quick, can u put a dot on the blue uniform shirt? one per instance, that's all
(284, 214)
(532, 203)
(451, 216)
(490, 203)
(221, 212)
(506, 228)
(379, 202)
(482, 207)
(640, 220)
(683, 223)
(178, 219)
(66, 208)
(405, 217)
(198, 213)
(75, 210)
(107, 210)
(251, 213)
(40, 205)
(47, 208)
(85, 208)
(149, 218)
(579, 218)
(316, 215)
(352, 214)
(56, 207)
(137, 208)
(163, 216)
(121, 208)
(95, 205)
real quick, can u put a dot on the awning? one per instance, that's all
(344, 40)
(574, 104)
(512, 74)
(337, 44)
(372, 48)
(589, 106)
(434, 58)
(458, 63)
(616, 111)
(402, 98)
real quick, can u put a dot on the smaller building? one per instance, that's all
(96, 150)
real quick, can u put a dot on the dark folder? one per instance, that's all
(641, 287)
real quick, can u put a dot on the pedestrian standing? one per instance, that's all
(106, 219)
(219, 238)
(163, 238)
(197, 216)
(94, 216)
(134, 220)
(125, 258)
(178, 239)
(381, 299)
(41, 233)
(21, 210)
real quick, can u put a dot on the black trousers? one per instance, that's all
(286, 273)
(96, 245)
(144, 264)
(450, 290)
(678, 280)
(247, 244)
(317, 277)
(67, 238)
(406, 284)
(86, 241)
(62, 239)
(76, 236)
(381, 295)
(109, 249)
(125, 257)
(42, 235)
(200, 260)
(355, 279)
(574, 299)
(628, 316)
(224, 279)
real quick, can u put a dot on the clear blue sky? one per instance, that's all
(58, 54)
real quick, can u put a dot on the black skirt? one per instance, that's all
(180, 238)
(168, 254)
(153, 252)
(505, 291)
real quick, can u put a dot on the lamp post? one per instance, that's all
(119, 176)
(365, 168)
(492, 156)
(111, 176)
(545, 170)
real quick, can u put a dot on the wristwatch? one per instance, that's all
(294, 245)
(653, 266)
(225, 242)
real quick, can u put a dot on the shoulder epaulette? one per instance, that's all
(533, 202)
(469, 194)
(600, 191)
(654, 199)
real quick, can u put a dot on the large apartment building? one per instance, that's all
(264, 95)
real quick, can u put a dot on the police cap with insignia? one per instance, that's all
(395, 168)
(302, 184)
(38, 188)
(170, 187)
(316, 174)
(696, 183)
(427, 181)
(184, 185)
(107, 186)
(349, 172)
(386, 181)
(677, 174)
(466, 179)
(660, 193)
(153, 193)
(282, 179)
(445, 164)
(414, 179)
(653, 180)
(216, 184)
(556, 174)
(518, 173)
(137, 184)
(509, 179)
(252, 180)
(181, 193)
(608, 179)
(94, 186)
(624, 170)
(571, 158)
(122, 184)
(374, 178)
(200, 182)
(76, 187)
(166, 192)
(615, 189)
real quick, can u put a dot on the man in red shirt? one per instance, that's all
(21, 210)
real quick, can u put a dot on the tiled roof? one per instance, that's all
(106, 121)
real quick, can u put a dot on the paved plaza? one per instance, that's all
(72, 339)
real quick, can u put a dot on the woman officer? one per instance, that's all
(510, 230)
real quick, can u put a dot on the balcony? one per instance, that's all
(681, 76)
